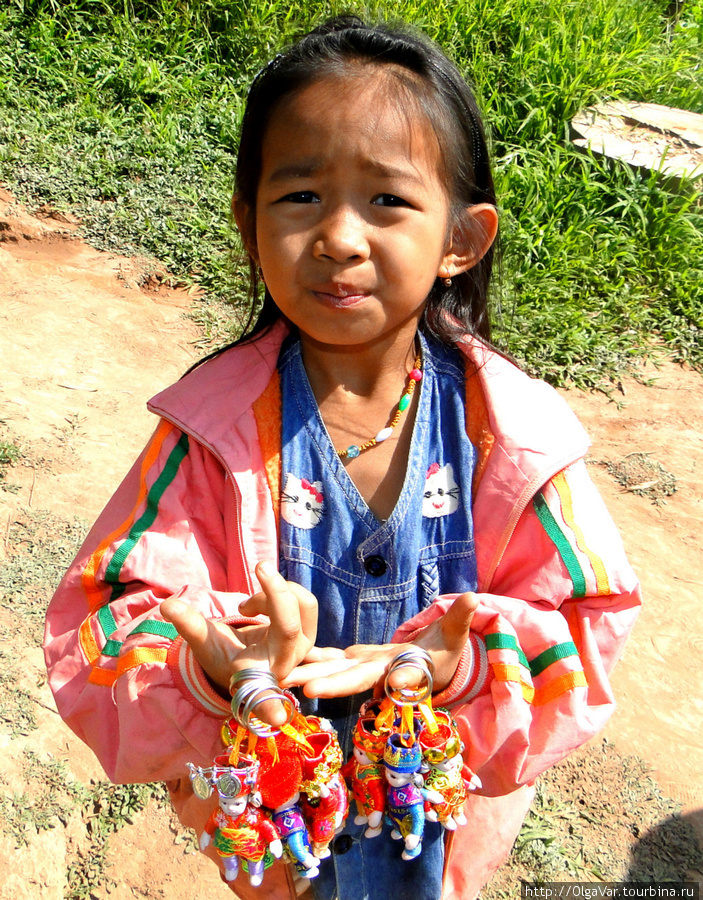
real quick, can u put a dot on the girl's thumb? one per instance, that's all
(456, 622)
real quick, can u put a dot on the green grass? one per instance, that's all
(127, 113)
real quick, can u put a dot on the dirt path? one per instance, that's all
(85, 339)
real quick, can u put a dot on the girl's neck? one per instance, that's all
(357, 390)
(367, 371)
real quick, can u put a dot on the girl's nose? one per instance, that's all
(342, 236)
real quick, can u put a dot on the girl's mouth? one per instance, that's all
(341, 297)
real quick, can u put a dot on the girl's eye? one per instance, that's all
(300, 197)
(389, 200)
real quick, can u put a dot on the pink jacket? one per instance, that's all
(197, 512)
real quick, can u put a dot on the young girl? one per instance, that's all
(292, 511)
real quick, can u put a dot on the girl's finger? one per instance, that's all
(256, 605)
(286, 628)
(307, 604)
(456, 622)
(319, 669)
(214, 645)
(189, 623)
(362, 676)
(320, 654)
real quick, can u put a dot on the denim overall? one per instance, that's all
(371, 576)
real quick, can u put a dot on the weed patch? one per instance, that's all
(52, 796)
(108, 808)
(599, 816)
(9, 454)
(49, 798)
(639, 474)
(16, 704)
(42, 547)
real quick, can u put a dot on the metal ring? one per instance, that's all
(417, 658)
(242, 693)
(412, 656)
(251, 674)
(242, 684)
(255, 724)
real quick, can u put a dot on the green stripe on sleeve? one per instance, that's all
(107, 620)
(112, 574)
(547, 657)
(150, 626)
(499, 641)
(156, 626)
(555, 534)
(112, 648)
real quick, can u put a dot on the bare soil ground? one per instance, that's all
(85, 339)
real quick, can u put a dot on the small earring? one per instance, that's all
(447, 282)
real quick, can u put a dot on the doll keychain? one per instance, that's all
(303, 755)
(406, 793)
(240, 829)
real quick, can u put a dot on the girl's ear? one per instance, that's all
(246, 223)
(470, 239)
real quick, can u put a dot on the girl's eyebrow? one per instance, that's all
(307, 168)
(392, 172)
(302, 169)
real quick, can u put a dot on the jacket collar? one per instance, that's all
(213, 403)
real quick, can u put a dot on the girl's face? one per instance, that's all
(352, 219)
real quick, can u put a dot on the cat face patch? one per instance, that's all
(302, 502)
(441, 497)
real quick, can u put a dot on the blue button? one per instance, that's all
(343, 844)
(376, 566)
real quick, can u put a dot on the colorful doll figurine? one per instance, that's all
(288, 819)
(365, 772)
(406, 797)
(441, 751)
(326, 814)
(325, 803)
(240, 831)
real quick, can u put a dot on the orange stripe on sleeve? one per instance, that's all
(104, 677)
(88, 642)
(137, 657)
(560, 685)
(507, 672)
(545, 694)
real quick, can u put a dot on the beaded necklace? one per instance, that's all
(415, 375)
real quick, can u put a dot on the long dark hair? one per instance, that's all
(441, 94)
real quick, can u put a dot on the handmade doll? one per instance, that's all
(238, 829)
(406, 796)
(441, 752)
(288, 819)
(325, 802)
(365, 772)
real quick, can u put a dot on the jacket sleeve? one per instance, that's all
(122, 678)
(533, 681)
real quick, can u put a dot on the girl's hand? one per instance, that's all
(329, 672)
(280, 644)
